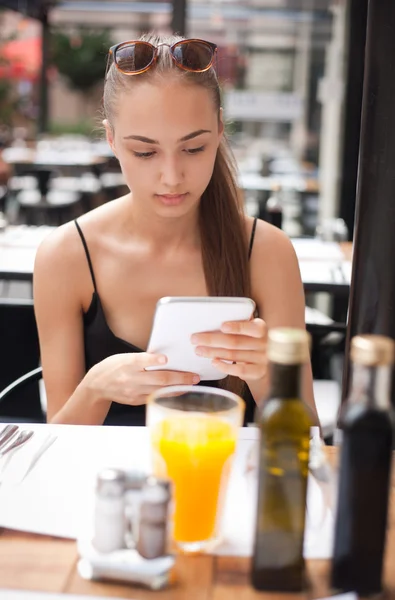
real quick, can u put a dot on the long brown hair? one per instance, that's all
(223, 236)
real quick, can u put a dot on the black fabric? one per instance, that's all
(100, 342)
(252, 238)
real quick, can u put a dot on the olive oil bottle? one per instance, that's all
(365, 469)
(284, 422)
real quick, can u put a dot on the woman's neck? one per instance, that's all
(164, 234)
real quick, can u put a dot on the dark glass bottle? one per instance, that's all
(274, 208)
(284, 422)
(365, 469)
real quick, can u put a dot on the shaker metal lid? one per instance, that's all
(110, 482)
(288, 346)
(156, 489)
(134, 480)
(372, 350)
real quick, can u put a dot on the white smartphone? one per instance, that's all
(177, 318)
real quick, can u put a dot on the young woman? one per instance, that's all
(181, 231)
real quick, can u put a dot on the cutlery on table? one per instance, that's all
(16, 467)
(7, 434)
(47, 442)
(22, 438)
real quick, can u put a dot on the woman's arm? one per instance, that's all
(58, 308)
(278, 290)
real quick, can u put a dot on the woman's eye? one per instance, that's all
(144, 154)
(195, 150)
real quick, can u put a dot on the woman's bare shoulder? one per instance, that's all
(63, 248)
(59, 248)
(269, 242)
(274, 267)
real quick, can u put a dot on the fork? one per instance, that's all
(7, 434)
(22, 438)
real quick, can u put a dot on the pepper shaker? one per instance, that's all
(134, 482)
(154, 515)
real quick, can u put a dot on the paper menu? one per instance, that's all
(56, 497)
(239, 522)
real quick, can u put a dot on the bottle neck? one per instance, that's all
(371, 386)
(285, 381)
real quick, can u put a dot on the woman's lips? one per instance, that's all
(172, 199)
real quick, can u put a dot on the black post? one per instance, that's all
(179, 17)
(372, 295)
(43, 109)
(356, 28)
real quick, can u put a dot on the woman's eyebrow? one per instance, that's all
(194, 134)
(140, 138)
(190, 136)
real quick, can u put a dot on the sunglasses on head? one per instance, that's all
(135, 57)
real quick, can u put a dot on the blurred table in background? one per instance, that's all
(259, 183)
(324, 266)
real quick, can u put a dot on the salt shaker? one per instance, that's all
(154, 514)
(109, 533)
(134, 482)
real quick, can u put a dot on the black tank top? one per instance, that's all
(100, 342)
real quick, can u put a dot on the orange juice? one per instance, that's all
(194, 450)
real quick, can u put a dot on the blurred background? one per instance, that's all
(282, 66)
(291, 72)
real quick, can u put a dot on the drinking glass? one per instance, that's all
(193, 433)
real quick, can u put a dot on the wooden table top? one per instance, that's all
(40, 563)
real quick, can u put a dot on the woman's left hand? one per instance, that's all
(241, 342)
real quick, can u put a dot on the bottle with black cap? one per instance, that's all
(365, 469)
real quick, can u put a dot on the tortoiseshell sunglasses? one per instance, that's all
(135, 57)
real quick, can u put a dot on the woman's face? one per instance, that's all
(166, 136)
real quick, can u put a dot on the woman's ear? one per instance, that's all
(109, 135)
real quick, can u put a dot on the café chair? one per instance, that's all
(15, 386)
(113, 185)
(327, 357)
(20, 354)
(58, 207)
(328, 341)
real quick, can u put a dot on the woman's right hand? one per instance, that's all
(123, 378)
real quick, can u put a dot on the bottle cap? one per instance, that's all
(288, 346)
(372, 350)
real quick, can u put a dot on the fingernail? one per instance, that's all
(162, 360)
(194, 339)
(196, 379)
(199, 351)
(226, 328)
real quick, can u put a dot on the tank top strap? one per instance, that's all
(252, 238)
(88, 258)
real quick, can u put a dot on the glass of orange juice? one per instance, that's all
(193, 438)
